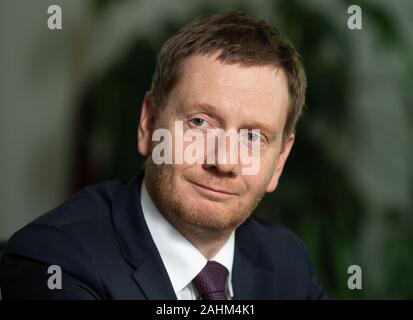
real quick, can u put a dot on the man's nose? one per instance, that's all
(224, 157)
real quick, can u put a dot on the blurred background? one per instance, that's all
(70, 101)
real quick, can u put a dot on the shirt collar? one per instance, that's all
(182, 260)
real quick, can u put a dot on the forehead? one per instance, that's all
(256, 93)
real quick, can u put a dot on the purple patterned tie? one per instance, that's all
(211, 281)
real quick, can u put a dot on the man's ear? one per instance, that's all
(280, 164)
(146, 125)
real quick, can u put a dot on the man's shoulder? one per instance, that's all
(73, 234)
(279, 250)
(77, 236)
(82, 222)
(272, 240)
(269, 231)
(90, 203)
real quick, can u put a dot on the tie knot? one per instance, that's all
(211, 281)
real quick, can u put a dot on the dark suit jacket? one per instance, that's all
(100, 240)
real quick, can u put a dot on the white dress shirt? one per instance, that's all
(182, 260)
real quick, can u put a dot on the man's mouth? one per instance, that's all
(213, 192)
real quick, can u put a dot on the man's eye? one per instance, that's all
(197, 122)
(252, 137)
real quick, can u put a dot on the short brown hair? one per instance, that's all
(239, 40)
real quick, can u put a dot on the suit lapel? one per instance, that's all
(250, 280)
(153, 280)
(137, 245)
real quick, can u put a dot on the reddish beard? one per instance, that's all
(179, 208)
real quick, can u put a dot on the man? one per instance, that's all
(183, 230)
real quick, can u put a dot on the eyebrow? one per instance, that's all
(267, 130)
(205, 107)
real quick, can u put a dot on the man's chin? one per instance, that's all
(210, 226)
(209, 216)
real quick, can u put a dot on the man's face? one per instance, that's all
(208, 95)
